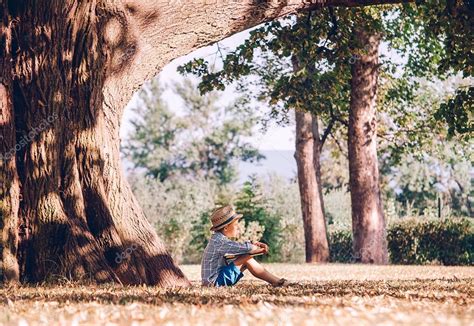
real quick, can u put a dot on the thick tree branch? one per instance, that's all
(153, 32)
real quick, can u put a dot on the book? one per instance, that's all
(235, 256)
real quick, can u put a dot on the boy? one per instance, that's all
(215, 271)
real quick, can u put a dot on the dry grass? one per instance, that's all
(330, 294)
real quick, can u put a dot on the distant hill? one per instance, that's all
(280, 162)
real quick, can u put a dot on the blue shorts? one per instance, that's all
(228, 275)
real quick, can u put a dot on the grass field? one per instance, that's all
(329, 294)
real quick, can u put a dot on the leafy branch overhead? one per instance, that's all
(433, 39)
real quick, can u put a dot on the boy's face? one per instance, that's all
(231, 230)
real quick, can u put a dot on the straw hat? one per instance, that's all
(223, 216)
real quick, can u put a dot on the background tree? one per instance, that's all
(368, 220)
(437, 40)
(421, 163)
(206, 140)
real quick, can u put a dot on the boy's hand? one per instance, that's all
(262, 245)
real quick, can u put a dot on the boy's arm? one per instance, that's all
(258, 247)
(239, 248)
(256, 250)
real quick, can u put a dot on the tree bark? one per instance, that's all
(317, 149)
(9, 183)
(81, 219)
(307, 157)
(74, 67)
(368, 222)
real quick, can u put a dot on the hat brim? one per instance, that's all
(238, 217)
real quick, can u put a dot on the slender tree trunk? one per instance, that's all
(74, 67)
(309, 180)
(307, 155)
(368, 223)
(317, 149)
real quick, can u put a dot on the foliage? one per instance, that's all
(458, 112)
(420, 183)
(337, 206)
(436, 37)
(297, 62)
(200, 233)
(419, 162)
(152, 143)
(252, 231)
(340, 246)
(305, 61)
(334, 162)
(417, 241)
(206, 141)
(282, 199)
(446, 241)
(173, 207)
(251, 204)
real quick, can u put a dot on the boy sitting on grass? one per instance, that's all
(215, 271)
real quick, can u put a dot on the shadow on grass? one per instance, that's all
(455, 290)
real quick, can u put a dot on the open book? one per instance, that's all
(230, 257)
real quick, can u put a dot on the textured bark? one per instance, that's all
(307, 156)
(368, 222)
(9, 184)
(80, 218)
(75, 65)
(317, 148)
(309, 180)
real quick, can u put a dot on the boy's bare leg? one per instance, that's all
(257, 269)
(241, 261)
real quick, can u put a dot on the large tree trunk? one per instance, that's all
(368, 223)
(75, 65)
(307, 157)
(9, 183)
(79, 217)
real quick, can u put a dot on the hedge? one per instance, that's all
(340, 246)
(414, 241)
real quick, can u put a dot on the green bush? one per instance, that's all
(340, 246)
(174, 207)
(446, 241)
(252, 206)
(282, 199)
(200, 233)
(415, 241)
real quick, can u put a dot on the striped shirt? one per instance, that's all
(213, 257)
